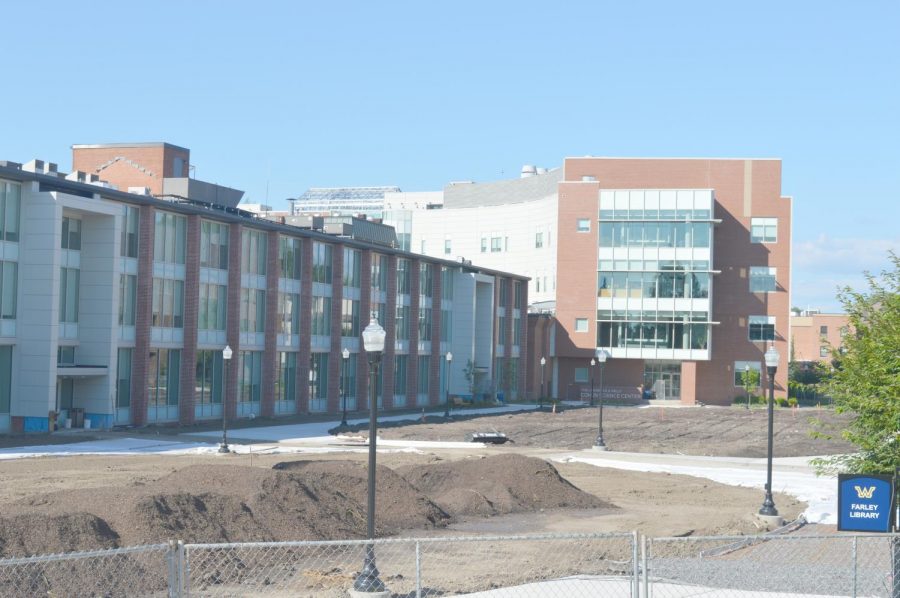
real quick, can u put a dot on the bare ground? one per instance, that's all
(73, 503)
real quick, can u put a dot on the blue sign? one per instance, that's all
(864, 503)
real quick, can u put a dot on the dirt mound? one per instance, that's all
(36, 534)
(202, 518)
(398, 505)
(498, 485)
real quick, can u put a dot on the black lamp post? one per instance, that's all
(541, 398)
(447, 401)
(768, 506)
(346, 355)
(373, 342)
(747, 383)
(601, 358)
(226, 356)
(593, 363)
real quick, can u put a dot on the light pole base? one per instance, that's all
(600, 447)
(381, 594)
(223, 449)
(771, 521)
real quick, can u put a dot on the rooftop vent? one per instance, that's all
(40, 167)
(79, 176)
(139, 190)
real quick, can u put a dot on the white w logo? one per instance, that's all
(865, 492)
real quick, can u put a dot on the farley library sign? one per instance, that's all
(864, 502)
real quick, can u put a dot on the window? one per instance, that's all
(10, 198)
(446, 284)
(289, 313)
(253, 310)
(504, 292)
(211, 311)
(318, 380)
(348, 380)
(424, 324)
(496, 244)
(581, 374)
(501, 330)
(249, 376)
(379, 272)
(321, 316)
(741, 366)
(253, 252)
(401, 364)
(65, 355)
(8, 284)
(823, 351)
(763, 230)
(123, 378)
(286, 376)
(163, 377)
(424, 377)
(446, 326)
(447, 247)
(321, 263)
(762, 279)
(403, 322)
(168, 238)
(167, 309)
(402, 276)
(128, 244)
(762, 328)
(517, 294)
(351, 267)
(127, 293)
(68, 294)
(823, 330)
(484, 244)
(71, 234)
(213, 245)
(583, 225)
(289, 257)
(208, 378)
(538, 240)
(426, 280)
(350, 318)
(517, 331)
(844, 331)
(581, 324)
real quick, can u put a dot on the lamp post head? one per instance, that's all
(543, 361)
(747, 367)
(449, 356)
(373, 337)
(772, 357)
(602, 356)
(593, 363)
(346, 353)
(226, 353)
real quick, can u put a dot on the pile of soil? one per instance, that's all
(298, 500)
(498, 485)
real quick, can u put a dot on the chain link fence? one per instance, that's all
(563, 565)
(570, 565)
(779, 565)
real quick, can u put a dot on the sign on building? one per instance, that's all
(864, 502)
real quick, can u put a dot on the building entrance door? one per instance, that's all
(664, 379)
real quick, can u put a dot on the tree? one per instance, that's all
(866, 381)
(749, 380)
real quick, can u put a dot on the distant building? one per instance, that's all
(678, 268)
(814, 335)
(342, 201)
(117, 306)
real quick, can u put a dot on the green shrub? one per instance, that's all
(792, 402)
(781, 402)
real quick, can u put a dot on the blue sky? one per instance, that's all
(282, 96)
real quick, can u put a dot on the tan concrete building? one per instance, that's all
(814, 335)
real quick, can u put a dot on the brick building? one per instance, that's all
(118, 305)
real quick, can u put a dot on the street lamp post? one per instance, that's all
(747, 383)
(346, 355)
(373, 342)
(226, 356)
(541, 398)
(447, 401)
(593, 363)
(768, 507)
(601, 358)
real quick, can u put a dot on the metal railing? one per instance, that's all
(564, 565)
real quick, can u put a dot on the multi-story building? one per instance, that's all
(119, 305)
(814, 335)
(678, 268)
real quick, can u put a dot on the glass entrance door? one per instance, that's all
(663, 378)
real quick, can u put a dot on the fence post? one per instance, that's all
(172, 565)
(185, 571)
(645, 547)
(418, 571)
(181, 592)
(635, 578)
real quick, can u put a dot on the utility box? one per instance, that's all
(76, 414)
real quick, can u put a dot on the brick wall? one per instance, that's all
(412, 368)
(390, 327)
(270, 351)
(435, 392)
(335, 358)
(365, 311)
(146, 226)
(303, 355)
(191, 305)
(233, 320)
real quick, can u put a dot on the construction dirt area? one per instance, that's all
(60, 504)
